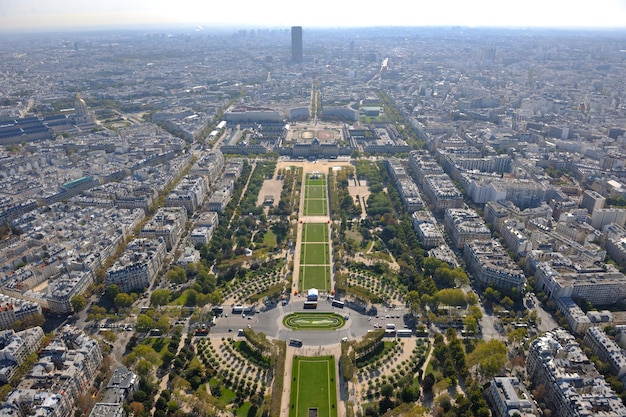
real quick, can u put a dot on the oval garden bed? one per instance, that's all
(314, 321)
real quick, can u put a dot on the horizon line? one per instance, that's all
(209, 27)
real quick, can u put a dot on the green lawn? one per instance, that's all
(317, 276)
(313, 386)
(315, 191)
(314, 232)
(315, 207)
(314, 254)
(243, 410)
(320, 180)
(319, 320)
(180, 301)
(269, 239)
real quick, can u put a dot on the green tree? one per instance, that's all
(176, 275)
(489, 357)
(143, 368)
(475, 312)
(124, 300)
(471, 325)
(160, 297)
(507, 302)
(386, 390)
(163, 325)
(144, 323)
(431, 264)
(78, 302)
(112, 291)
(471, 298)
(516, 336)
(451, 296)
(428, 382)
(216, 297)
(192, 297)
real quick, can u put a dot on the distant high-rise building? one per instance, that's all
(592, 201)
(296, 44)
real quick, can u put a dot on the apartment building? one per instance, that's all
(168, 223)
(491, 265)
(15, 347)
(465, 225)
(442, 192)
(504, 395)
(63, 371)
(572, 385)
(593, 284)
(606, 349)
(13, 309)
(138, 265)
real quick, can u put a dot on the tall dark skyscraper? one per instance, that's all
(296, 44)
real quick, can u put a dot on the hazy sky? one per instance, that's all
(44, 14)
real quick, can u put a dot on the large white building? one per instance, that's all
(138, 266)
(63, 287)
(602, 217)
(168, 223)
(189, 193)
(607, 350)
(465, 225)
(442, 192)
(598, 286)
(63, 371)
(572, 385)
(13, 309)
(491, 265)
(15, 347)
(427, 230)
(504, 396)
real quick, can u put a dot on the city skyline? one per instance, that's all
(38, 15)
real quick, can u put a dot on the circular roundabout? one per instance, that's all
(314, 321)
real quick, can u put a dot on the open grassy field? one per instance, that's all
(313, 386)
(315, 207)
(314, 254)
(315, 276)
(315, 192)
(315, 232)
(315, 203)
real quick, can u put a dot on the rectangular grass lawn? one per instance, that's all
(315, 207)
(315, 254)
(313, 386)
(317, 276)
(321, 180)
(315, 232)
(315, 191)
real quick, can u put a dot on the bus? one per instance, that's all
(295, 342)
(337, 303)
(308, 305)
(404, 332)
